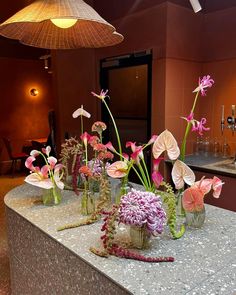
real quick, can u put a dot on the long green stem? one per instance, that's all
(183, 145)
(140, 178)
(82, 124)
(147, 174)
(116, 129)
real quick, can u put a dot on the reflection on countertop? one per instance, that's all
(210, 163)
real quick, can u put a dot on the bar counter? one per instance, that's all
(45, 261)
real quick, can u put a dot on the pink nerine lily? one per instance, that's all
(81, 112)
(181, 174)
(166, 142)
(102, 94)
(189, 118)
(118, 169)
(198, 126)
(203, 84)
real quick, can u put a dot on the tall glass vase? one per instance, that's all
(87, 202)
(51, 196)
(196, 219)
(122, 188)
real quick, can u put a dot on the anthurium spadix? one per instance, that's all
(166, 142)
(181, 174)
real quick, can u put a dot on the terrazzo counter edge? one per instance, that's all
(35, 245)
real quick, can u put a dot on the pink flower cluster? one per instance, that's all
(142, 208)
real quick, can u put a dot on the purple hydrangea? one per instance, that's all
(142, 208)
(96, 167)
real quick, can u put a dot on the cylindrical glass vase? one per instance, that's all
(140, 237)
(122, 188)
(51, 196)
(196, 219)
(87, 203)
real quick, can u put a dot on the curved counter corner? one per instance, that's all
(44, 261)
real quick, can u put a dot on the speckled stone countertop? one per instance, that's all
(219, 165)
(205, 259)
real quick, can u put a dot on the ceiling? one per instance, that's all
(108, 9)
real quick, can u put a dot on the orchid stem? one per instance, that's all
(116, 129)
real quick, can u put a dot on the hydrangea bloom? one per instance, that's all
(142, 208)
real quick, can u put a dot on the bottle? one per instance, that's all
(207, 147)
(216, 148)
(225, 149)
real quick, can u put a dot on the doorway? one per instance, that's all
(128, 79)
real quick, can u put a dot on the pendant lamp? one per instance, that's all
(60, 24)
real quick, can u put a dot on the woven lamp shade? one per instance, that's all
(32, 26)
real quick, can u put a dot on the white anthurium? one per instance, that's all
(166, 142)
(81, 112)
(181, 174)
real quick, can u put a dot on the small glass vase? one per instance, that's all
(87, 203)
(122, 188)
(94, 185)
(196, 219)
(140, 237)
(51, 196)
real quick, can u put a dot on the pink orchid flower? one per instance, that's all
(137, 151)
(34, 153)
(81, 112)
(40, 178)
(203, 84)
(198, 126)
(166, 142)
(152, 139)
(46, 150)
(193, 199)
(110, 147)
(118, 169)
(52, 162)
(102, 95)
(181, 174)
(85, 138)
(157, 177)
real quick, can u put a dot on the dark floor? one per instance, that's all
(6, 184)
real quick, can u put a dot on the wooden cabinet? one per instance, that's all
(227, 199)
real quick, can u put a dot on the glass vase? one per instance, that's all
(51, 196)
(140, 237)
(87, 203)
(122, 188)
(196, 219)
(94, 185)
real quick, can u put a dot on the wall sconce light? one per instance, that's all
(34, 92)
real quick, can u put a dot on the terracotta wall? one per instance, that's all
(220, 54)
(23, 116)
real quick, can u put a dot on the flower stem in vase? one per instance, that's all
(51, 196)
(87, 201)
(140, 237)
(121, 189)
(196, 219)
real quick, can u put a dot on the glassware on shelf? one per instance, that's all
(207, 146)
(225, 149)
(216, 148)
(197, 146)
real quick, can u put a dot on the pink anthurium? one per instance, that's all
(166, 142)
(81, 112)
(181, 174)
(217, 187)
(193, 199)
(118, 169)
(205, 185)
